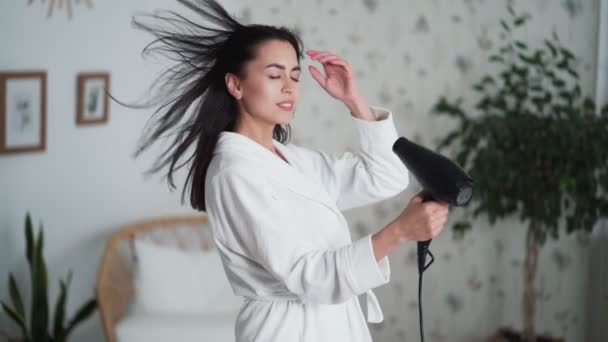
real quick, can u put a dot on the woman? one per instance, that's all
(275, 208)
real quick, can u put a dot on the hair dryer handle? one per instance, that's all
(423, 246)
(423, 250)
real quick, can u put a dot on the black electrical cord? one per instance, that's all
(423, 251)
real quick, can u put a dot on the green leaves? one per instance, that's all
(17, 318)
(572, 73)
(516, 21)
(496, 59)
(559, 83)
(551, 48)
(445, 107)
(40, 309)
(520, 21)
(510, 9)
(29, 239)
(567, 54)
(38, 327)
(532, 141)
(460, 228)
(85, 311)
(15, 295)
(58, 326)
(505, 26)
(521, 45)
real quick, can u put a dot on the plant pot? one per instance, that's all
(510, 335)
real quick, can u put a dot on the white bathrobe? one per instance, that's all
(284, 243)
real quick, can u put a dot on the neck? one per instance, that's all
(258, 131)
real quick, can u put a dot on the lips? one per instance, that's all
(285, 105)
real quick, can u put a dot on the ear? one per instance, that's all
(233, 85)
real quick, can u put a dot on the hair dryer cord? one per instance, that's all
(423, 251)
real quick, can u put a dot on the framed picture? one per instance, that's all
(22, 111)
(92, 99)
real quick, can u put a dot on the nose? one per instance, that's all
(289, 86)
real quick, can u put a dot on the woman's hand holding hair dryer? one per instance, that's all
(419, 221)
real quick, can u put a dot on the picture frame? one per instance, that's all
(92, 100)
(22, 111)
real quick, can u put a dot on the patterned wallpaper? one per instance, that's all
(406, 53)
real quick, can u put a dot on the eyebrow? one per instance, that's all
(282, 67)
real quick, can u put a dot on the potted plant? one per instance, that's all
(535, 147)
(37, 328)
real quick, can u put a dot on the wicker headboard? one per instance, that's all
(115, 275)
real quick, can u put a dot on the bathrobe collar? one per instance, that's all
(271, 164)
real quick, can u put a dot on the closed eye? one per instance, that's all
(276, 77)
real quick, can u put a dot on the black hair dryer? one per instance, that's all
(441, 179)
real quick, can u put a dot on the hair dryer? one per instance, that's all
(441, 179)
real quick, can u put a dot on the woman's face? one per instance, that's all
(269, 91)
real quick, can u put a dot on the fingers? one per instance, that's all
(436, 225)
(430, 227)
(431, 207)
(342, 63)
(437, 206)
(314, 54)
(316, 74)
(438, 220)
(425, 220)
(436, 216)
(325, 57)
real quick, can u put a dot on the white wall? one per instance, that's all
(405, 53)
(85, 184)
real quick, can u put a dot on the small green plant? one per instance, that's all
(535, 147)
(37, 328)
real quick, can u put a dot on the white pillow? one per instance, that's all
(169, 280)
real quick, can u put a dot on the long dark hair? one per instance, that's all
(196, 83)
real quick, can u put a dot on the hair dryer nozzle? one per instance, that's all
(443, 179)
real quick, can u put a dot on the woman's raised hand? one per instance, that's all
(339, 81)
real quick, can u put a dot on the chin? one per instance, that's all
(284, 118)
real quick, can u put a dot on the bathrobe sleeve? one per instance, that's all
(245, 213)
(373, 174)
